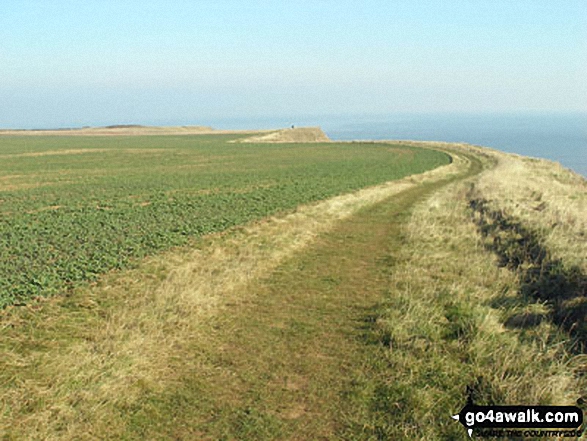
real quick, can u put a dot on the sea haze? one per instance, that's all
(559, 137)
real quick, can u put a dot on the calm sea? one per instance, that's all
(559, 137)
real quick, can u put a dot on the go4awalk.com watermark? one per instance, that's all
(521, 421)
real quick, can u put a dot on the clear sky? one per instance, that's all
(73, 62)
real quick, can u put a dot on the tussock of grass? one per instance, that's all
(544, 196)
(535, 215)
(443, 324)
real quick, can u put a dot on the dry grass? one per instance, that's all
(130, 130)
(19, 182)
(105, 131)
(77, 367)
(444, 326)
(303, 134)
(114, 131)
(54, 153)
(72, 367)
(545, 196)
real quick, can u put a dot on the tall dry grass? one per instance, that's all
(444, 324)
(544, 196)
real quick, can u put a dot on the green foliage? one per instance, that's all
(72, 208)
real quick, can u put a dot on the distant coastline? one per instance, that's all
(560, 137)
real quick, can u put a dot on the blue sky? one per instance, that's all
(71, 63)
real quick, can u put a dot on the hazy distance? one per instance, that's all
(65, 63)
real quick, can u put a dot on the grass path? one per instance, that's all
(240, 342)
(298, 360)
(292, 361)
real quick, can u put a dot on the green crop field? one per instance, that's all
(72, 208)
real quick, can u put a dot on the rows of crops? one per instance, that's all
(73, 208)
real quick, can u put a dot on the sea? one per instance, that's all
(560, 137)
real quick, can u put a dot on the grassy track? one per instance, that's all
(362, 317)
(298, 360)
(113, 361)
(73, 208)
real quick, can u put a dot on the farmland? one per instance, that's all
(73, 208)
(334, 299)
